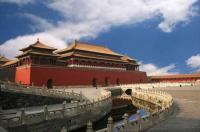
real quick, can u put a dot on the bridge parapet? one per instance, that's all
(144, 98)
(18, 88)
(157, 85)
(160, 99)
(76, 112)
(97, 109)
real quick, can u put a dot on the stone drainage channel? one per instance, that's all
(118, 119)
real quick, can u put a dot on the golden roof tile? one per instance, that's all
(127, 58)
(4, 59)
(88, 56)
(40, 45)
(9, 63)
(36, 53)
(76, 45)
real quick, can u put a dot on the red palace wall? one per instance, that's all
(22, 75)
(74, 76)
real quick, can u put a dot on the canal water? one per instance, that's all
(116, 114)
(130, 118)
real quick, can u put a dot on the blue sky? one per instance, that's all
(163, 35)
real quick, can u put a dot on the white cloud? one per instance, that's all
(19, 2)
(106, 13)
(194, 62)
(89, 18)
(10, 48)
(176, 12)
(39, 23)
(152, 69)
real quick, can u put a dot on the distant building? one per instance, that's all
(78, 64)
(10, 66)
(3, 60)
(195, 77)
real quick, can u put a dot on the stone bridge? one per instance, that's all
(53, 117)
(150, 100)
(159, 104)
(182, 116)
(41, 91)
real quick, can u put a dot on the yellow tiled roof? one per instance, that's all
(197, 72)
(38, 44)
(127, 58)
(9, 63)
(120, 59)
(88, 56)
(37, 53)
(76, 45)
(4, 59)
(66, 54)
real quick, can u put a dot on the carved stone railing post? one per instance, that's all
(125, 122)
(89, 127)
(72, 92)
(63, 108)
(86, 104)
(110, 124)
(93, 101)
(63, 129)
(77, 104)
(23, 117)
(20, 86)
(43, 86)
(46, 113)
(98, 101)
(81, 95)
(138, 116)
(150, 119)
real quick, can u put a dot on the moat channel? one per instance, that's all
(116, 114)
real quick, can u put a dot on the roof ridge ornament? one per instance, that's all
(38, 40)
(75, 42)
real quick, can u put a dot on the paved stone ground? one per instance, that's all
(89, 93)
(186, 116)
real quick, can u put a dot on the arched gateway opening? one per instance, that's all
(106, 81)
(118, 81)
(49, 83)
(128, 91)
(94, 82)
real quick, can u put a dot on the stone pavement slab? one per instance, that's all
(186, 116)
